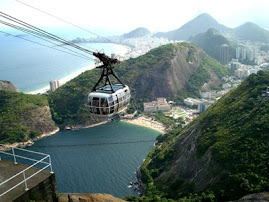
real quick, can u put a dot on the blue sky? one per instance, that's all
(125, 15)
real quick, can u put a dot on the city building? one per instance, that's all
(54, 85)
(237, 52)
(243, 53)
(224, 54)
(235, 66)
(159, 105)
(191, 101)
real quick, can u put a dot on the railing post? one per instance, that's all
(13, 152)
(50, 165)
(26, 188)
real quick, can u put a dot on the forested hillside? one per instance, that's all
(221, 156)
(23, 116)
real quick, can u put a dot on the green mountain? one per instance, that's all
(173, 70)
(221, 156)
(210, 41)
(23, 116)
(198, 25)
(252, 32)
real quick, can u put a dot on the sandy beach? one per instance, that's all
(121, 50)
(148, 123)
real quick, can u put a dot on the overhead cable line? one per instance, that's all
(79, 55)
(63, 20)
(44, 33)
(93, 144)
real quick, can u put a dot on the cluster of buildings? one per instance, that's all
(159, 105)
(241, 70)
(202, 104)
(142, 45)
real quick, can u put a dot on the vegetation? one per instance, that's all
(234, 130)
(13, 107)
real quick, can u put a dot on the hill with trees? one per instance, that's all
(23, 117)
(182, 69)
(221, 156)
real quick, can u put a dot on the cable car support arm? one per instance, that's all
(107, 69)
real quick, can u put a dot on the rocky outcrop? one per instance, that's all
(88, 198)
(7, 85)
(261, 197)
(39, 120)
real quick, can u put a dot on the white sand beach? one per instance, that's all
(148, 123)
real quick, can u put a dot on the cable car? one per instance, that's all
(103, 103)
(110, 99)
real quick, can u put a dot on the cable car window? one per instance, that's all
(104, 102)
(95, 101)
(110, 100)
(104, 106)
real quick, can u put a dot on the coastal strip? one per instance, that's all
(148, 123)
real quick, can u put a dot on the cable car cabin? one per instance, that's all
(104, 103)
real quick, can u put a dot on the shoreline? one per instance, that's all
(4, 147)
(121, 50)
(147, 122)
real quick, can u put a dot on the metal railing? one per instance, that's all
(45, 160)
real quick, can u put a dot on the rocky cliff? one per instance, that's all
(7, 85)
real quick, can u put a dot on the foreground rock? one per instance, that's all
(88, 198)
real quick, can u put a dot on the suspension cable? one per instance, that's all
(44, 33)
(77, 54)
(61, 19)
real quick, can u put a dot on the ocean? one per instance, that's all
(102, 159)
(30, 66)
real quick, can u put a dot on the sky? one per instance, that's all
(121, 16)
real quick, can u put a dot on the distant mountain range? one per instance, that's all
(198, 25)
(203, 22)
(252, 32)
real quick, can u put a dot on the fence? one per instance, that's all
(45, 162)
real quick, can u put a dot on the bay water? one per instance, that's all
(30, 66)
(101, 159)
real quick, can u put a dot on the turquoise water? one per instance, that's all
(101, 159)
